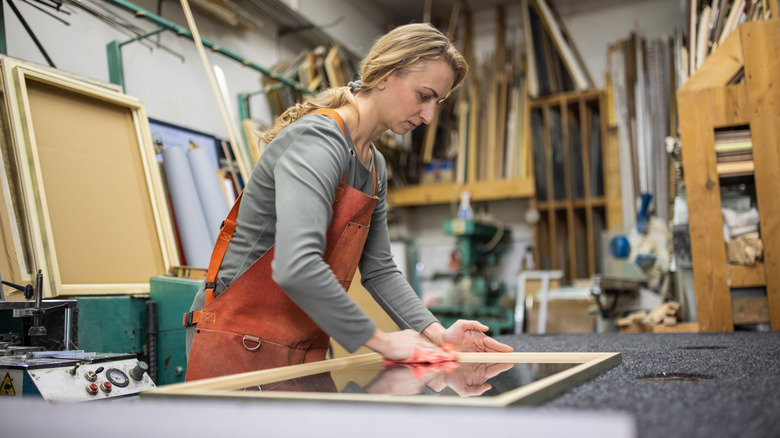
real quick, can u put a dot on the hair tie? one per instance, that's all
(354, 85)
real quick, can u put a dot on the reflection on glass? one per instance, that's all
(449, 379)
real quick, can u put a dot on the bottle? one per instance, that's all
(464, 209)
(527, 264)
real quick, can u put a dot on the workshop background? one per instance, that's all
(608, 167)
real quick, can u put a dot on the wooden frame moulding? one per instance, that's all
(588, 365)
(92, 189)
(15, 263)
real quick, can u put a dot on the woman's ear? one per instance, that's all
(381, 85)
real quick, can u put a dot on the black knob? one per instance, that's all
(137, 373)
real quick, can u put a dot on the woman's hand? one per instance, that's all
(466, 335)
(399, 345)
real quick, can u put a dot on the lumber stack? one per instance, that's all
(663, 318)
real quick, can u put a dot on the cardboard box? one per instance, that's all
(568, 311)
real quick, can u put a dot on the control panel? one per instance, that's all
(92, 381)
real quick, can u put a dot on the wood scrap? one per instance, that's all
(666, 315)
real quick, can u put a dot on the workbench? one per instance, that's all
(671, 385)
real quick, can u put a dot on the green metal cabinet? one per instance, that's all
(112, 324)
(173, 297)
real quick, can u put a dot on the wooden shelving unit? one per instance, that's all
(712, 100)
(568, 138)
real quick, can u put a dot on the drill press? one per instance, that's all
(475, 293)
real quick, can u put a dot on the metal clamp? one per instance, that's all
(252, 339)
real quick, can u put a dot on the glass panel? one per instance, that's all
(448, 379)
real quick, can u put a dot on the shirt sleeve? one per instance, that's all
(380, 274)
(306, 177)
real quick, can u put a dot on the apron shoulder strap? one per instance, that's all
(337, 117)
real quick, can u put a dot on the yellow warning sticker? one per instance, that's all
(7, 387)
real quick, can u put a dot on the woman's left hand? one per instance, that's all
(469, 336)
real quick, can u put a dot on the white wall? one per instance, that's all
(596, 24)
(172, 90)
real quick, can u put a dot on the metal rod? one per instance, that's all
(181, 31)
(30, 32)
(47, 12)
(38, 289)
(3, 46)
(144, 36)
(68, 322)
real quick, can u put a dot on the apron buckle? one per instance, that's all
(251, 339)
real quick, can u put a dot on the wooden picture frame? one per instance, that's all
(582, 367)
(92, 190)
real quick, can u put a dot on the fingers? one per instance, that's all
(493, 345)
(466, 324)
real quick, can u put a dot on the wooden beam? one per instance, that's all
(713, 300)
(761, 49)
(720, 67)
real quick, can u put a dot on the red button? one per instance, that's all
(107, 384)
(93, 387)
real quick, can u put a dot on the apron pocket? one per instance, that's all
(218, 353)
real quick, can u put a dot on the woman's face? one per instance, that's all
(410, 99)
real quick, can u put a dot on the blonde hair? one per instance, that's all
(402, 50)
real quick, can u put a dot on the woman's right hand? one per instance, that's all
(399, 345)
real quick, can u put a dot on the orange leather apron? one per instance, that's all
(253, 324)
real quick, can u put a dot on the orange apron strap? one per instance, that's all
(337, 117)
(225, 234)
(332, 114)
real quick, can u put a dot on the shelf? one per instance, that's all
(747, 276)
(574, 181)
(430, 194)
(574, 203)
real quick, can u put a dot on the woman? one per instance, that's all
(313, 209)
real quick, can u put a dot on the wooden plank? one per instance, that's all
(430, 136)
(577, 71)
(585, 137)
(571, 240)
(747, 276)
(501, 125)
(612, 188)
(729, 106)
(431, 194)
(761, 46)
(473, 132)
(551, 216)
(533, 80)
(750, 310)
(719, 68)
(706, 226)
(487, 164)
(735, 168)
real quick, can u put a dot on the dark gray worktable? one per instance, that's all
(733, 391)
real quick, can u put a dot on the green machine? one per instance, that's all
(475, 293)
(172, 297)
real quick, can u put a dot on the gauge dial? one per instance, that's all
(117, 377)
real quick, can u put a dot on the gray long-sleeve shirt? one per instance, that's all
(287, 201)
